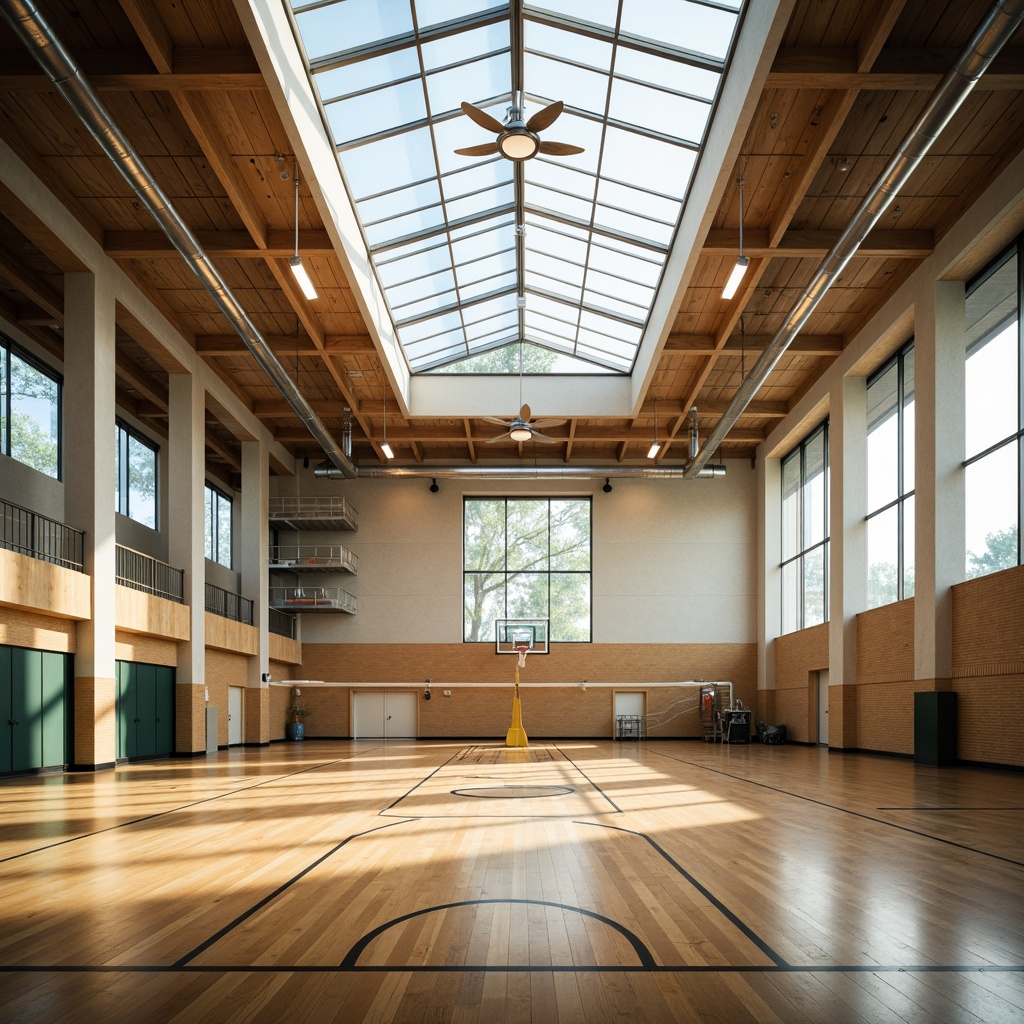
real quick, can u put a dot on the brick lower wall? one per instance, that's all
(798, 657)
(41, 632)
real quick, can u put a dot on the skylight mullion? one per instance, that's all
(454, 308)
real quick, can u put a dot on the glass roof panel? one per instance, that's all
(354, 23)
(695, 27)
(448, 88)
(664, 73)
(639, 80)
(658, 110)
(388, 163)
(361, 75)
(370, 113)
(455, 47)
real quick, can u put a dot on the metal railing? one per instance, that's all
(300, 557)
(309, 599)
(229, 606)
(322, 507)
(34, 535)
(150, 575)
(281, 623)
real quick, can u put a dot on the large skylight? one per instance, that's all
(553, 263)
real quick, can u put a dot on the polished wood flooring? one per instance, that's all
(569, 881)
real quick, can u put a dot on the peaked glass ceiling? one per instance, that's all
(477, 254)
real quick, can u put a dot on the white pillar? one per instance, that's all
(769, 596)
(939, 553)
(89, 495)
(186, 437)
(255, 579)
(848, 559)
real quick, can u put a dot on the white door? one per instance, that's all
(236, 701)
(400, 715)
(823, 707)
(381, 714)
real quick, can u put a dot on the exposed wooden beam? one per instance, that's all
(236, 245)
(152, 32)
(569, 441)
(214, 345)
(916, 245)
(36, 290)
(196, 113)
(805, 344)
(467, 426)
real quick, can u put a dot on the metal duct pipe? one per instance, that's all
(992, 34)
(30, 26)
(694, 436)
(514, 473)
(346, 433)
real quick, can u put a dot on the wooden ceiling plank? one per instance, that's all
(816, 244)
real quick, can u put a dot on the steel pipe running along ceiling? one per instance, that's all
(33, 30)
(994, 31)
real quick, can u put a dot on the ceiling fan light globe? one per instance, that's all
(518, 144)
(520, 433)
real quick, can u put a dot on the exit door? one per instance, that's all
(384, 714)
(236, 703)
(823, 708)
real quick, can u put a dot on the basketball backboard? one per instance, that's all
(512, 635)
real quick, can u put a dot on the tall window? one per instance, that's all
(30, 399)
(805, 533)
(136, 475)
(891, 481)
(527, 558)
(994, 417)
(218, 526)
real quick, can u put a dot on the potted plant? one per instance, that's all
(296, 727)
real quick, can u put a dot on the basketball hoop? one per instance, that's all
(522, 650)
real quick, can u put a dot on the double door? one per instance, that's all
(384, 714)
(33, 709)
(145, 710)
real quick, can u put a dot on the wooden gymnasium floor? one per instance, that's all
(461, 881)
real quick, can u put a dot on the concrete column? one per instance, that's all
(848, 554)
(89, 488)
(769, 596)
(186, 550)
(939, 359)
(254, 537)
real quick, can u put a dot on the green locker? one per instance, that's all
(34, 721)
(145, 710)
(165, 712)
(54, 709)
(6, 722)
(27, 709)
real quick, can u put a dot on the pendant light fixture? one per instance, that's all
(301, 276)
(652, 452)
(742, 262)
(384, 446)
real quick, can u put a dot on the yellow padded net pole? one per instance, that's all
(516, 735)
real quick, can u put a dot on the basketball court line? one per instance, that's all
(845, 810)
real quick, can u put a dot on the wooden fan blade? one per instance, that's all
(541, 424)
(559, 149)
(484, 149)
(482, 118)
(524, 413)
(544, 439)
(494, 419)
(500, 437)
(544, 117)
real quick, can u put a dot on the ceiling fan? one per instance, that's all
(521, 429)
(517, 139)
